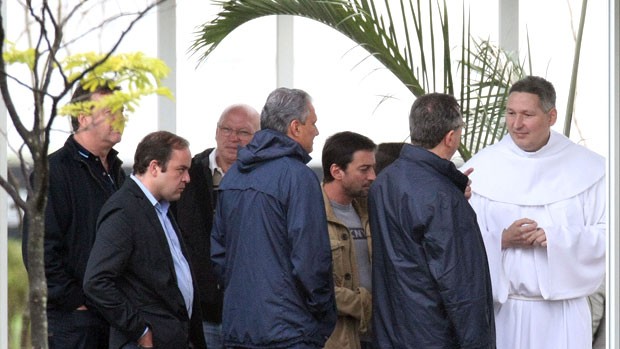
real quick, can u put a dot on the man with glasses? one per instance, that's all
(194, 211)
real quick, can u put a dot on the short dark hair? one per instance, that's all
(157, 146)
(284, 105)
(339, 149)
(82, 95)
(386, 154)
(538, 86)
(432, 116)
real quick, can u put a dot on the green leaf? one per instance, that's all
(423, 64)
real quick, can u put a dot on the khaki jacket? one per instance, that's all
(354, 303)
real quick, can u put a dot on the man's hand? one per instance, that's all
(468, 188)
(523, 232)
(538, 238)
(146, 341)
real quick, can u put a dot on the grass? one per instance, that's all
(18, 297)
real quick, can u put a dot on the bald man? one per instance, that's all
(194, 211)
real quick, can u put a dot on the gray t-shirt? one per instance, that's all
(347, 215)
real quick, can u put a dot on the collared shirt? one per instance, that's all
(181, 266)
(216, 172)
(97, 169)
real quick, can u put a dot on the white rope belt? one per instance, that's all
(525, 298)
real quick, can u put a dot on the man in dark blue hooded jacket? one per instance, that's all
(431, 280)
(269, 242)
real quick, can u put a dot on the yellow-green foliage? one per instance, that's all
(18, 294)
(12, 55)
(136, 74)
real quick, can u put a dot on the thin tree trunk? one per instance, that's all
(35, 216)
(36, 278)
(24, 336)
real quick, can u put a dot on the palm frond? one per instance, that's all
(423, 63)
(358, 20)
(490, 73)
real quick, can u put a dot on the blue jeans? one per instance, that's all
(213, 335)
(78, 329)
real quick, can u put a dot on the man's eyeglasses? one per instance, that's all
(227, 132)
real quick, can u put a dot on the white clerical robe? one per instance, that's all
(540, 292)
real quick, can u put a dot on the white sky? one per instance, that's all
(346, 96)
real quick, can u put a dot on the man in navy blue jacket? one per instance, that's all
(269, 242)
(430, 273)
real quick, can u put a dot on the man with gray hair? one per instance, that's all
(269, 242)
(194, 211)
(430, 272)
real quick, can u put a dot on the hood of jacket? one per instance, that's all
(267, 145)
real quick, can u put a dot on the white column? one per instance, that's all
(509, 25)
(167, 51)
(613, 181)
(4, 283)
(285, 52)
(4, 315)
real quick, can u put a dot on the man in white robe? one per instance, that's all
(540, 201)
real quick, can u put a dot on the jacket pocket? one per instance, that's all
(338, 256)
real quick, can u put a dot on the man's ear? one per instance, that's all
(450, 138)
(153, 166)
(293, 128)
(553, 116)
(336, 171)
(82, 120)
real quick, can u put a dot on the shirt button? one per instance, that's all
(344, 236)
(347, 276)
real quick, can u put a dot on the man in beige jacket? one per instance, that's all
(348, 170)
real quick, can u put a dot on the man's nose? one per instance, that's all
(518, 121)
(234, 135)
(372, 175)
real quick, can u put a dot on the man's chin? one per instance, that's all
(116, 137)
(363, 193)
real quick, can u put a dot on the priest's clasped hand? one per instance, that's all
(524, 233)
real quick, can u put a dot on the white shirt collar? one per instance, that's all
(213, 163)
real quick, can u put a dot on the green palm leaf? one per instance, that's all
(358, 20)
(410, 39)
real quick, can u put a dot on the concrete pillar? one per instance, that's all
(285, 53)
(613, 181)
(167, 51)
(4, 315)
(509, 25)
